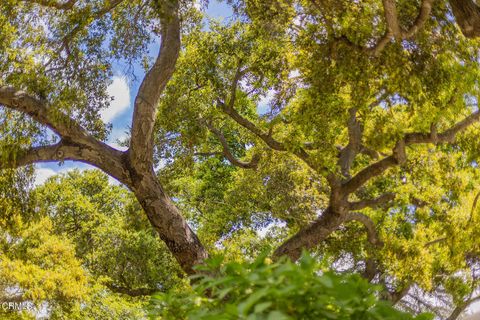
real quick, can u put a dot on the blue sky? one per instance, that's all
(123, 90)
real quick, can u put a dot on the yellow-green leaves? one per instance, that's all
(43, 266)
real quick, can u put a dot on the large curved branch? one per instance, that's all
(425, 9)
(99, 155)
(447, 136)
(337, 212)
(371, 268)
(155, 81)
(398, 155)
(39, 111)
(467, 16)
(134, 167)
(310, 236)
(51, 153)
(76, 143)
(368, 173)
(161, 211)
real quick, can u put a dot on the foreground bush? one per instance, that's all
(275, 291)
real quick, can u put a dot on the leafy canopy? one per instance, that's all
(284, 115)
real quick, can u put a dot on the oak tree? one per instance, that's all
(327, 118)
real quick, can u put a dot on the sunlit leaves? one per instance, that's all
(283, 290)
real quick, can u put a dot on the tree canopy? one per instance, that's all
(344, 128)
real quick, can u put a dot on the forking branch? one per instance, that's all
(393, 28)
(398, 155)
(339, 207)
(155, 81)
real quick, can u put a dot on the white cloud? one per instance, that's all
(116, 138)
(42, 174)
(120, 92)
(474, 308)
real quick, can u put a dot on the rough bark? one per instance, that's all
(40, 111)
(467, 16)
(167, 220)
(161, 211)
(134, 167)
(155, 81)
(339, 208)
(76, 143)
(101, 156)
(310, 236)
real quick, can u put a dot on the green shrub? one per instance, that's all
(274, 291)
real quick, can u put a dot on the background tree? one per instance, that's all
(312, 120)
(79, 249)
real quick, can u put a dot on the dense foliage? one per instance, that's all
(345, 128)
(275, 291)
(83, 247)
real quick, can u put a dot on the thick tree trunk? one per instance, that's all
(167, 220)
(310, 236)
(467, 15)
